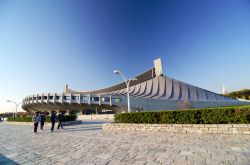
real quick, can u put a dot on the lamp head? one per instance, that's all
(117, 72)
(8, 101)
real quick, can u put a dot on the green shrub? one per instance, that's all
(218, 115)
(20, 119)
(69, 118)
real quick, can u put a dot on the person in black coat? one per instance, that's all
(53, 119)
(42, 120)
(60, 119)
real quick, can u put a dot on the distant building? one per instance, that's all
(153, 91)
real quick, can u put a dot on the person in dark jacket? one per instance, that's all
(60, 119)
(43, 119)
(53, 119)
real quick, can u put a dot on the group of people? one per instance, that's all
(139, 109)
(41, 118)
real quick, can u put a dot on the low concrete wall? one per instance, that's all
(45, 124)
(182, 128)
(96, 117)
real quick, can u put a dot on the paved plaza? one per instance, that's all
(88, 144)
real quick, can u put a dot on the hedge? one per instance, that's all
(218, 115)
(29, 118)
(21, 119)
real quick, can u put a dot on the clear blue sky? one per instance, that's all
(45, 44)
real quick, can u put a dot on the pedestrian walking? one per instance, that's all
(43, 119)
(60, 119)
(36, 119)
(53, 119)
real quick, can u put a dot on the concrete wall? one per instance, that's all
(182, 128)
(96, 117)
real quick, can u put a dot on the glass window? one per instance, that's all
(84, 98)
(105, 99)
(50, 97)
(75, 98)
(57, 97)
(116, 100)
(66, 97)
(94, 98)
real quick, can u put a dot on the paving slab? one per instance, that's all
(89, 144)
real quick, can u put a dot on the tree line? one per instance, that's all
(243, 94)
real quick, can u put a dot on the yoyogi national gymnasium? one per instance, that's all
(151, 91)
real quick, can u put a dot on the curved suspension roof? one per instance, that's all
(162, 87)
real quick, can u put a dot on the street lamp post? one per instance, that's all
(127, 84)
(9, 101)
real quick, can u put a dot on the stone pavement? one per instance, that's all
(88, 144)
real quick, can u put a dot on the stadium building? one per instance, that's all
(151, 91)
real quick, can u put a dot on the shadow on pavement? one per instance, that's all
(6, 161)
(80, 128)
(95, 122)
(83, 129)
(86, 128)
